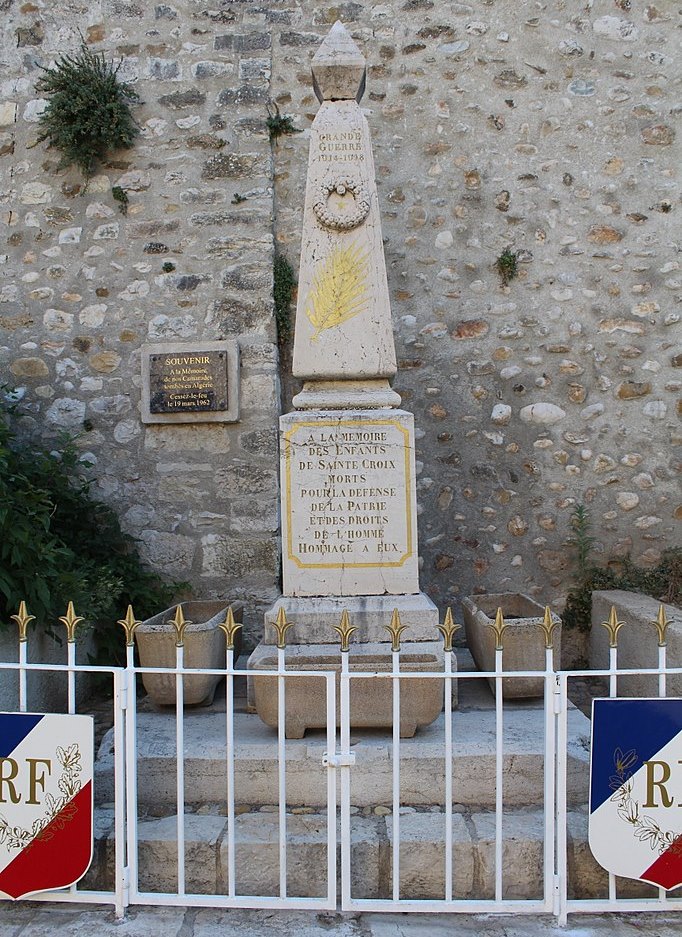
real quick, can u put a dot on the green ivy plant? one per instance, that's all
(284, 283)
(57, 543)
(89, 109)
(662, 582)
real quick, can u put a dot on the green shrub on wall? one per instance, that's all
(88, 114)
(57, 543)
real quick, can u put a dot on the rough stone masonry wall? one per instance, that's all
(82, 286)
(551, 128)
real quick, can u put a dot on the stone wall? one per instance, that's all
(83, 286)
(546, 128)
(550, 129)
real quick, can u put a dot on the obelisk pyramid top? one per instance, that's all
(338, 67)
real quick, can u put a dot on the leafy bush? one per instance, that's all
(58, 544)
(88, 114)
(662, 582)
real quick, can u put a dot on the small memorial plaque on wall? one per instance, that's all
(197, 383)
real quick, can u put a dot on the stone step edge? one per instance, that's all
(422, 855)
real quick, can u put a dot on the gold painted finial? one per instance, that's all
(281, 626)
(230, 627)
(129, 625)
(613, 626)
(661, 623)
(179, 623)
(395, 629)
(344, 631)
(548, 624)
(71, 622)
(22, 621)
(448, 630)
(499, 627)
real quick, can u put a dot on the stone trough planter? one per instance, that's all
(421, 700)
(637, 640)
(204, 648)
(524, 640)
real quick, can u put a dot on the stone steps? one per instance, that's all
(422, 863)
(421, 762)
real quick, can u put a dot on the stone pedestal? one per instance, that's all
(314, 618)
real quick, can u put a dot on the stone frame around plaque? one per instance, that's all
(229, 413)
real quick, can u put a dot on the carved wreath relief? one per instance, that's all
(331, 217)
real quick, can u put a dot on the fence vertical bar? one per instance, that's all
(131, 774)
(22, 620)
(180, 624)
(229, 746)
(180, 763)
(395, 629)
(281, 772)
(448, 775)
(395, 668)
(120, 859)
(499, 628)
(125, 791)
(613, 626)
(345, 780)
(551, 710)
(661, 625)
(230, 628)
(447, 630)
(23, 660)
(560, 907)
(281, 627)
(71, 622)
(330, 692)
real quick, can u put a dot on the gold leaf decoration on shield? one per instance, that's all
(339, 289)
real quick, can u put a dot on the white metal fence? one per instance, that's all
(331, 762)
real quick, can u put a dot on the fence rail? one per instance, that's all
(293, 854)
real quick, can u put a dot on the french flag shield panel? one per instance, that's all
(635, 827)
(46, 801)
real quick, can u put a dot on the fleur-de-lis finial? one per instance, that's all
(179, 623)
(281, 626)
(22, 621)
(230, 627)
(660, 623)
(71, 622)
(395, 629)
(129, 625)
(548, 624)
(344, 631)
(613, 626)
(499, 628)
(448, 630)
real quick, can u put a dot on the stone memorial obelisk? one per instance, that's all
(348, 495)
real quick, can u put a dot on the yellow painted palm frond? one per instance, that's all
(339, 289)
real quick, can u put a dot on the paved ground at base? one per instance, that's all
(42, 920)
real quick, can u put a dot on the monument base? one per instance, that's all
(314, 617)
(371, 700)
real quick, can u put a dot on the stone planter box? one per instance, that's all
(637, 640)
(204, 648)
(421, 700)
(524, 640)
